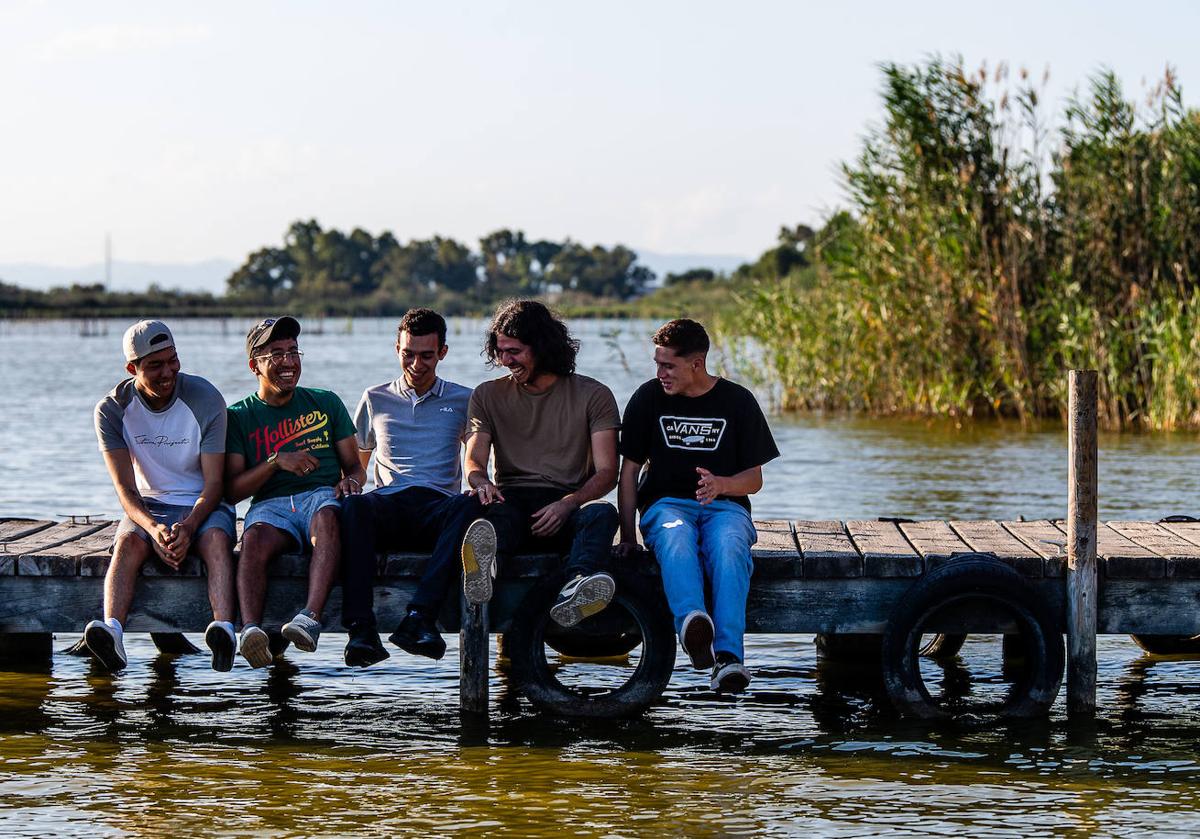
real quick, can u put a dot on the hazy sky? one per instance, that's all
(202, 130)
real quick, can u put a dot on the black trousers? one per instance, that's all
(586, 538)
(413, 519)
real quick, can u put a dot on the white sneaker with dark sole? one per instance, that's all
(479, 561)
(256, 647)
(696, 638)
(106, 644)
(583, 597)
(223, 643)
(303, 631)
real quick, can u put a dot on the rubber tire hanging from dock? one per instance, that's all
(526, 640)
(974, 577)
(1168, 644)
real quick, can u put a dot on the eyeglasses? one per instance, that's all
(278, 357)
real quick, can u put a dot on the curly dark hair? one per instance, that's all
(682, 336)
(423, 322)
(531, 323)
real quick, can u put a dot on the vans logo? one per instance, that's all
(692, 433)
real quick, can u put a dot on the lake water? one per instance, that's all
(310, 747)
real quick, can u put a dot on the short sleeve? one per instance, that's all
(602, 411)
(478, 418)
(234, 438)
(756, 445)
(208, 407)
(108, 421)
(342, 425)
(212, 440)
(635, 443)
(362, 424)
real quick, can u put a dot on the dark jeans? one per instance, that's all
(413, 519)
(586, 538)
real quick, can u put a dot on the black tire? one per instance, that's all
(849, 647)
(1168, 644)
(943, 645)
(580, 645)
(632, 611)
(961, 580)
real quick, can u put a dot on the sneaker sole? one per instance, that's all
(101, 645)
(298, 636)
(222, 647)
(256, 649)
(418, 649)
(479, 561)
(734, 682)
(697, 642)
(591, 597)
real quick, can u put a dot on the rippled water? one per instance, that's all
(310, 747)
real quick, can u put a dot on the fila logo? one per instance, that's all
(692, 433)
(447, 410)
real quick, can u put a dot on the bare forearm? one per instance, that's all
(747, 482)
(627, 507)
(246, 483)
(135, 507)
(597, 486)
(209, 498)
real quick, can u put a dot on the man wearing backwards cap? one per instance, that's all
(293, 449)
(162, 434)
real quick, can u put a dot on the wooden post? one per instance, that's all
(22, 651)
(473, 662)
(1081, 545)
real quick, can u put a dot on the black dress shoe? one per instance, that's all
(418, 635)
(364, 647)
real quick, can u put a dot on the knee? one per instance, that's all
(214, 545)
(324, 525)
(130, 549)
(257, 544)
(729, 551)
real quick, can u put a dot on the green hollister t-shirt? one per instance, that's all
(312, 421)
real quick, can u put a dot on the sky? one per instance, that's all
(202, 130)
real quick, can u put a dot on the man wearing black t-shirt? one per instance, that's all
(703, 440)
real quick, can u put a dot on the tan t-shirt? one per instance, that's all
(543, 439)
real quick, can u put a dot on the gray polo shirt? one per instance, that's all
(417, 440)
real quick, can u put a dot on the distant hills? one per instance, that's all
(210, 275)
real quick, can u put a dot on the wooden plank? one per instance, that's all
(775, 552)
(64, 560)
(1046, 539)
(826, 550)
(1125, 560)
(884, 549)
(934, 541)
(1182, 557)
(11, 529)
(53, 536)
(991, 538)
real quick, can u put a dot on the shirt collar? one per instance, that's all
(438, 389)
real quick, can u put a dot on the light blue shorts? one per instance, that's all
(292, 514)
(221, 518)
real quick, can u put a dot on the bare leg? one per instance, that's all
(129, 554)
(260, 544)
(214, 547)
(326, 558)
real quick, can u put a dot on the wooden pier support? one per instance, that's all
(1082, 594)
(473, 659)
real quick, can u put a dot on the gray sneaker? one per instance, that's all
(106, 644)
(256, 647)
(583, 597)
(304, 631)
(479, 561)
(729, 675)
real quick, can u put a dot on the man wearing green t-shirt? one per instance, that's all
(293, 449)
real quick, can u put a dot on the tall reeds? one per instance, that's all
(978, 260)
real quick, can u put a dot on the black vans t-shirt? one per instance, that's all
(723, 431)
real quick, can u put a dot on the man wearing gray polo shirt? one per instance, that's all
(414, 426)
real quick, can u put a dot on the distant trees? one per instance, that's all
(328, 269)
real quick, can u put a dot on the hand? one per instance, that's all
(710, 486)
(182, 534)
(347, 486)
(161, 541)
(550, 519)
(298, 463)
(627, 550)
(488, 493)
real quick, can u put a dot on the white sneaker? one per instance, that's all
(583, 597)
(106, 644)
(479, 561)
(256, 647)
(696, 638)
(304, 631)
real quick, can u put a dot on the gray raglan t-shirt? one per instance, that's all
(165, 446)
(417, 440)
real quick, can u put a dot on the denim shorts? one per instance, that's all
(292, 513)
(169, 514)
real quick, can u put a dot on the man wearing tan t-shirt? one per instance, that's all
(555, 437)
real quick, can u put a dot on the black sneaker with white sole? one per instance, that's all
(223, 643)
(729, 674)
(583, 597)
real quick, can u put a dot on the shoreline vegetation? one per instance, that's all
(986, 248)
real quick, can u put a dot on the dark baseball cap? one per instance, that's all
(268, 330)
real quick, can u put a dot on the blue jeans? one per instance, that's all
(694, 542)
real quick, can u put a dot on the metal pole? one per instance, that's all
(1081, 545)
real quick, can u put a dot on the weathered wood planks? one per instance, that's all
(991, 537)
(885, 551)
(826, 550)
